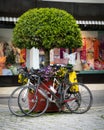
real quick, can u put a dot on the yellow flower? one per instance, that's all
(61, 72)
(22, 79)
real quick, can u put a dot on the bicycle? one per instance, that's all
(64, 99)
(36, 90)
(83, 96)
(74, 89)
(29, 79)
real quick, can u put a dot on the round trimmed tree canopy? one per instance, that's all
(47, 28)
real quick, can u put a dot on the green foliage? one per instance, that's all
(46, 28)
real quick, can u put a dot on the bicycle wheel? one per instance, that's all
(78, 102)
(30, 99)
(13, 102)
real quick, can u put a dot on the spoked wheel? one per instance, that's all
(73, 101)
(13, 102)
(79, 101)
(33, 102)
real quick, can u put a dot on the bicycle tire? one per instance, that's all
(13, 102)
(67, 108)
(83, 99)
(31, 109)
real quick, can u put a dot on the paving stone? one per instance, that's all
(92, 120)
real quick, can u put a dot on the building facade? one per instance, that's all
(89, 15)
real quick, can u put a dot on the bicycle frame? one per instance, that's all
(58, 99)
(54, 97)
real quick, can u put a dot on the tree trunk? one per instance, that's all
(47, 57)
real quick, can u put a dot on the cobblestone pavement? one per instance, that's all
(92, 120)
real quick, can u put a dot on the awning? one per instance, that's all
(80, 22)
(90, 22)
(8, 19)
(84, 24)
(91, 25)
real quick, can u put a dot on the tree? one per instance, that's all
(47, 28)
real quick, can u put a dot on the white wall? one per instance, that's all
(89, 34)
(79, 1)
(34, 58)
(6, 34)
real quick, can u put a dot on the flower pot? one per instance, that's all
(41, 101)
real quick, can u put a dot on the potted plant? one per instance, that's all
(47, 28)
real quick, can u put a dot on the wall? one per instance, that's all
(89, 34)
(6, 34)
(80, 1)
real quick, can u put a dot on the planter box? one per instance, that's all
(41, 101)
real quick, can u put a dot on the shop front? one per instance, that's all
(88, 60)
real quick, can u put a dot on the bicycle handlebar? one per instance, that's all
(33, 74)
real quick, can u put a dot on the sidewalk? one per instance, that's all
(92, 120)
(8, 90)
